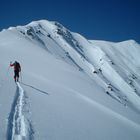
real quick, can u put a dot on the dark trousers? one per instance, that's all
(16, 76)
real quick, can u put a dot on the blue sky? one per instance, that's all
(112, 20)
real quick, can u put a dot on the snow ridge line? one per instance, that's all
(17, 127)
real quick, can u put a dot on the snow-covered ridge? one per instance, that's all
(90, 83)
(114, 65)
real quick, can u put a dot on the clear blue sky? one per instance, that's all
(113, 20)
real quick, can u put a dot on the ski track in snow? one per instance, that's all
(19, 127)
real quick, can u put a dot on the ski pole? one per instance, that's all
(6, 76)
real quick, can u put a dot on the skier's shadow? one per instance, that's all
(44, 92)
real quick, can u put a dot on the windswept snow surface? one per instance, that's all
(70, 88)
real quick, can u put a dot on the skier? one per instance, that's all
(17, 69)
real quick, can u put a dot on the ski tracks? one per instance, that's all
(19, 125)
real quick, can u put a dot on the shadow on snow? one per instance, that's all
(41, 91)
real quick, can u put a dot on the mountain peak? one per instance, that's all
(70, 82)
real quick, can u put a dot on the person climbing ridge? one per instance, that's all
(17, 69)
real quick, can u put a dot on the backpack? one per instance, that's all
(17, 66)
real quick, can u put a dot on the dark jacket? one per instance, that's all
(16, 66)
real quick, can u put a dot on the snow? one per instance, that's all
(70, 88)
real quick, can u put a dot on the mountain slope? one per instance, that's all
(73, 88)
